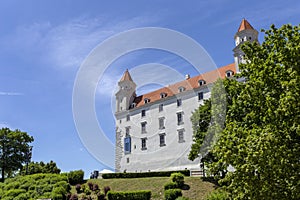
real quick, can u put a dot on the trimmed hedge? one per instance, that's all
(170, 185)
(144, 174)
(75, 177)
(132, 195)
(172, 194)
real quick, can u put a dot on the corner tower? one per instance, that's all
(245, 33)
(126, 92)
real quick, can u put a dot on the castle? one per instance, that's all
(154, 131)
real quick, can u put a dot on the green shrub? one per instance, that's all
(170, 185)
(132, 195)
(75, 177)
(218, 195)
(13, 193)
(178, 178)
(172, 194)
(144, 174)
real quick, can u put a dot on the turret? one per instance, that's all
(245, 33)
(126, 93)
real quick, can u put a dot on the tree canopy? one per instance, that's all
(261, 139)
(14, 150)
(40, 167)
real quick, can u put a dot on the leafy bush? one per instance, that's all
(144, 174)
(90, 185)
(75, 177)
(101, 196)
(171, 185)
(74, 197)
(95, 187)
(78, 188)
(106, 190)
(178, 178)
(172, 194)
(132, 195)
(218, 195)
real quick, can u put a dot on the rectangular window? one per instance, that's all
(144, 145)
(161, 122)
(200, 96)
(127, 145)
(127, 131)
(128, 118)
(162, 141)
(179, 102)
(179, 118)
(143, 113)
(143, 125)
(180, 136)
(161, 107)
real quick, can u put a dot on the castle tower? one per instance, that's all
(126, 93)
(245, 33)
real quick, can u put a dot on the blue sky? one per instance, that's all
(44, 43)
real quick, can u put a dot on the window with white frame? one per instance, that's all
(143, 113)
(179, 118)
(143, 127)
(181, 89)
(161, 122)
(144, 143)
(163, 95)
(146, 100)
(201, 82)
(160, 107)
(181, 135)
(200, 96)
(179, 102)
(229, 73)
(162, 139)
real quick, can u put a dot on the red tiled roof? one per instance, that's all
(126, 76)
(245, 25)
(188, 84)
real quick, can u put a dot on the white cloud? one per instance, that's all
(66, 45)
(11, 94)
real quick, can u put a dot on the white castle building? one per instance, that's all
(154, 131)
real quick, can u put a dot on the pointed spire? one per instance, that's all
(245, 25)
(126, 76)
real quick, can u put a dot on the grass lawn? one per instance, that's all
(198, 189)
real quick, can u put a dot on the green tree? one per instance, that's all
(40, 167)
(262, 135)
(14, 148)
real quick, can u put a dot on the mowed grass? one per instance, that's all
(198, 189)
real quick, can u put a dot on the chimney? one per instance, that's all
(187, 77)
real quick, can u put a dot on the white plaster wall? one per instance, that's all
(172, 156)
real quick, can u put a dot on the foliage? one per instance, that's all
(106, 189)
(133, 195)
(144, 174)
(262, 134)
(177, 178)
(75, 177)
(78, 188)
(40, 167)
(35, 186)
(172, 194)
(218, 195)
(170, 185)
(14, 150)
(182, 198)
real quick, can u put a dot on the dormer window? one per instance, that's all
(181, 89)
(146, 100)
(133, 105)
(229, 73)
(201, 82)
(163, 95)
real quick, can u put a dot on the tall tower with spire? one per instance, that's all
(245, 33)
(126, 93)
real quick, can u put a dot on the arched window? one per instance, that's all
(146, 100)
(181, 89)
(229, 73)
(201, 82)
(163, 95)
